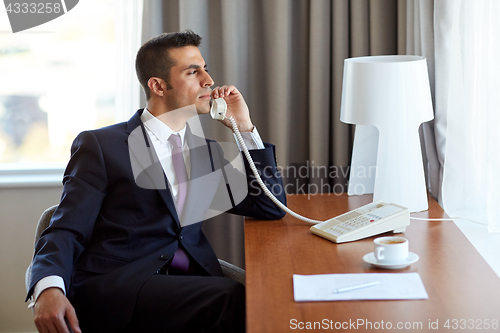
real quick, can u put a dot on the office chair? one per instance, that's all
(230, 271)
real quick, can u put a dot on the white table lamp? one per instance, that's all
(387, 98)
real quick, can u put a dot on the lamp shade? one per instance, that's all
(388, 98)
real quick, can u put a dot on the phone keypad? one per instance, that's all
(351, 225)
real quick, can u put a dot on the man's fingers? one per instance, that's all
(224, 91)
(215, 92)
(40, 328)
(218, 92)
(72, 320)
(54, 325)
(58, 328)
(51, 310)
(228, 90)
(48, 327)
(236, 107)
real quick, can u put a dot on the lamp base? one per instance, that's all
(391, 170)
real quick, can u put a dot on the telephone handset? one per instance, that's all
(218, 108)
(344, 228)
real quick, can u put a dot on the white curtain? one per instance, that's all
(467, 35)
(128, 32)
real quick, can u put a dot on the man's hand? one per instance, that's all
(51, 309)
(236, 107)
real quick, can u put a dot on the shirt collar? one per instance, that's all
(159, 129)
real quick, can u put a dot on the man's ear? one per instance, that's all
(157, 86)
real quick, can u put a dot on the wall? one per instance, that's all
(20, 209)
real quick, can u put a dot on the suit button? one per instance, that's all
(163, 257)
(181, 237)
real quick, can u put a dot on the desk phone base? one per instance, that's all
(366, 221)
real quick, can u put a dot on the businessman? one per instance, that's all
(118, 257)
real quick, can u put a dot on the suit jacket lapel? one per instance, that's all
(199, 154)
(147, 169)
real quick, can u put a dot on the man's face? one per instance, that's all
(189, 80)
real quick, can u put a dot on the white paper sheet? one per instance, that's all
(392, 286)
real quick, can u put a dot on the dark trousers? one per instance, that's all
(176, 303)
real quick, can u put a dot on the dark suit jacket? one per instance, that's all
(109, 235)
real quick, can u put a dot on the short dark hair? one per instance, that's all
(153, 59)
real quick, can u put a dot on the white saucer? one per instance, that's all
(370, 258)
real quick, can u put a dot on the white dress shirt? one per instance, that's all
(158, 133)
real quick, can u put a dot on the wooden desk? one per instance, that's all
(464, 292)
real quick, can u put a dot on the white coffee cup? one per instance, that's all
(390, 249)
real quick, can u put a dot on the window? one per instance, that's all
(60, 78)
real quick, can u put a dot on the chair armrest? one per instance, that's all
(233, 272)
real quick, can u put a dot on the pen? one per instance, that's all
(358, 286)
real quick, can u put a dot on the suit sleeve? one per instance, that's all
(72, 224)
(256, 203)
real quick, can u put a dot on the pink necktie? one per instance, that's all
(181, 258)
(180, 171)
